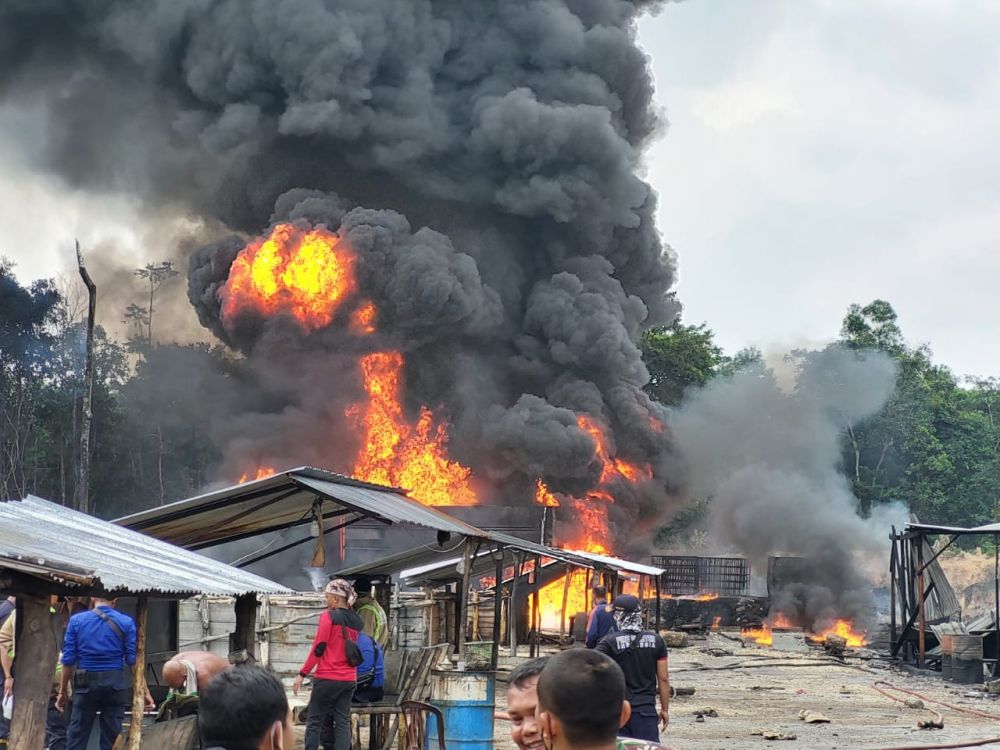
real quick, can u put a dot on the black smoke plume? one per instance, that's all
(480, 158)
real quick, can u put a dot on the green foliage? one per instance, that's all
(678, 357)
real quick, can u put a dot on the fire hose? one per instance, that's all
(881, 686)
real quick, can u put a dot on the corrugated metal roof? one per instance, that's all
(284, 501)
(51, 541)
(616, 563)
(930, 528)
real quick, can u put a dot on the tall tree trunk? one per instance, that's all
(82, 500)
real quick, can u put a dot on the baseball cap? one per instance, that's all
(626, 603)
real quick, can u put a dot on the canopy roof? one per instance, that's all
(61, 546)
(283, 501)
(929, 528)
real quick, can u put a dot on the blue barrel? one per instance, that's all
(467, 701)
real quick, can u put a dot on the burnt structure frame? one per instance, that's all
(909, 587)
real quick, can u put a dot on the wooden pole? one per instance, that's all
(893, 572)
(656, 580)
(497, 603)
(536, 615)
(642, 600)
(921, 635)
(512, 610)
(996, 605)
(37, 650)
(463, 602)
(565, 603)
(82, 495)
(139, 673)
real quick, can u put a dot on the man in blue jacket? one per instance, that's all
(602, 618)
(98, 651)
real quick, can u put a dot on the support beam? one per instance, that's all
(497, 603)
(513, 614)
(567, 579)
(35, 667)
(139, 673)
(463, 598)
(656, 580)
(922, 621)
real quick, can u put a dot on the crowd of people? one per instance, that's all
(93, 677)
(603, 697)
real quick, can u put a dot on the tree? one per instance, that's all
(156, 274)
(679, 357)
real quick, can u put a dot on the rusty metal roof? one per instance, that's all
(58, 544)
(284, 501)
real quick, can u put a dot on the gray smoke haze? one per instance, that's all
(482, 161)
(769, 459)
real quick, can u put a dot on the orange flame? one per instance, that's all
(845, 629)
(305, 272)
(544, 496)
(400, 454)
(550, 600)
(611, 468)
(363, 319)
(716, 622)
(262, 472)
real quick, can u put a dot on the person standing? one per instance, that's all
(370, 611)
(601, 617)
(335, 656)
(98, 650)
(642, 656)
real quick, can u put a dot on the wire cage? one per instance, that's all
(687, 574)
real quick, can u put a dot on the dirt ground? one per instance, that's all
(755, 689)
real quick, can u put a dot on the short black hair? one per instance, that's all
(585, 690)
(600, 592)
(238, 706)
(524, 672)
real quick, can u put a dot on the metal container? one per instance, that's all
(467, 701)
(967, 659)
(946, 646)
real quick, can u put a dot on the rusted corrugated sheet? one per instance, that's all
(53, 542)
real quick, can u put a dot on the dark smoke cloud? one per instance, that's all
(481, 159)
(769, 459)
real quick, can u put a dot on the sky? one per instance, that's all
(819, 153)
(826, 152)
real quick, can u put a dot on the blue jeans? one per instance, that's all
(107, 695)
(643, 724)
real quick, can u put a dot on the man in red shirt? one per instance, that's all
(336, 676)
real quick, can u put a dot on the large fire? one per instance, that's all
(397, 453)
(307, 273)
(764, 635)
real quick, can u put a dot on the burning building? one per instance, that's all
(425, 230)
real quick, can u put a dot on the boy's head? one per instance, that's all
(581, 700)
(245, 707)
(522, 703)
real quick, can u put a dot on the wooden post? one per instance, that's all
(82, 494)
(536, 615)
(512, 610)
(642, 600)
(996, 605)
(893, 572)
(656, 581)
(37, 650)
(139, 673)
(463, 600)
(921, 635)
(498, 600)
(565, 603)
(242, 641)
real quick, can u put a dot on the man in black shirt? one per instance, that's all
(642, 656)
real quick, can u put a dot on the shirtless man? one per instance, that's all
(203, 665)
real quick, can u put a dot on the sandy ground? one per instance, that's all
(761, 694)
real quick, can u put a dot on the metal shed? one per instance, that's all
(48, 549)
